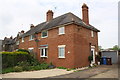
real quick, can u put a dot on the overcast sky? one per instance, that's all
(17, 15)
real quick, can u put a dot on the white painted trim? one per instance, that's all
(61, 45)
(61, 57)
(31, 48)
(59, 31)
(45, 36)
(92, 46)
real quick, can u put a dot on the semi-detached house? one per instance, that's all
(65, 41)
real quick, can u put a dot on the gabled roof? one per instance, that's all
(67, 18)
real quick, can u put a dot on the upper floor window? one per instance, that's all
(44, 34)
(92, 34)
(61, 30)
(22, 39)
(17, 43)
(31, 37)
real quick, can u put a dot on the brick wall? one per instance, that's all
(76, 41)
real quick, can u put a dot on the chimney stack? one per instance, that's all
(85, 14)
(31, 26)
(49, 15)
(22, 32)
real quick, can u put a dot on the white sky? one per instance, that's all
(17, 15)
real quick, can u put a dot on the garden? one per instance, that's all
(21, 60)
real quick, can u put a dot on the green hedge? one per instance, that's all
(10, 59)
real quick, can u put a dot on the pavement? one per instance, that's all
(36, 74)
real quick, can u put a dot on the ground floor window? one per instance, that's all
(44, 51)
(30, 50)
(61, 51)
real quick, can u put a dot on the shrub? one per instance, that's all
(61, 67)
(90, 58)
(7, 70)
(10, 59)
(44, 66)
(18, 69)
(23, 50)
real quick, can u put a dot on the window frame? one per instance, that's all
(44, 52)
(61, 32)
(30, 49)
(17, 42)
(61, 46)
(31, 37)
(42, 34)
(92, 33)
(22, 39)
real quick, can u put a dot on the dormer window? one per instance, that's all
(61, 30)
(92, 34)
(44, 34)
(22, 39)
(31, 37)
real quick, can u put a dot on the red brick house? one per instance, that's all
(65, 41)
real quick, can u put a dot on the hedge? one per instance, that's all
(11, 59)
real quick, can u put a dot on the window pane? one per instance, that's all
(61, 51)
(45, 51)
(44, 33)
(42, 53)
(61, 30)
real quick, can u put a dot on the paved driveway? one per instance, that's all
(94, 72)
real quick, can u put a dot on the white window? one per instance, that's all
(43, 51)
(61, 30)
(92, 34)
(31, 37)
(44, 34)
(22, 39)
(30, 50)
(17, 43)
(61, 51)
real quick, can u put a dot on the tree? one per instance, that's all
(116, 47)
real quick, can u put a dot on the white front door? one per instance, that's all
(93, 54)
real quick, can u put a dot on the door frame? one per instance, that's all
(93, 49)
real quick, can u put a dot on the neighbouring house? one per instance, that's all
(11, 44)
(110, 54)
(1, 45)
(65, 41)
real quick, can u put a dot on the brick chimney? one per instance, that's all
(22, 32)
(49, 15)
(31, 26)
(85, 14)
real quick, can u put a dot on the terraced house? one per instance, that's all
(65, 41)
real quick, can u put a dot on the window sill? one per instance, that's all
(43, 56)
(44, 37)
(61, 34)
(61, 57)
(31, 40)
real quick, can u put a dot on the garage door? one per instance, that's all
(112, 54)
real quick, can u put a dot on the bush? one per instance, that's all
(7, 70)
(18, 69)
(61, 68)
(90, 58)
(10, 59)
(23, 50)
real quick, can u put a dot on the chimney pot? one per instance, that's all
(49, 15)
(31, 26)
(22, 32)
